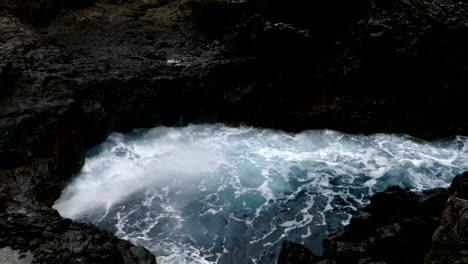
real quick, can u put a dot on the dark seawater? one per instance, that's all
(215, 194)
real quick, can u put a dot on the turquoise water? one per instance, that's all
(216, 194)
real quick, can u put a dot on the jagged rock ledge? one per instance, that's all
(398, 226)
(48, 238)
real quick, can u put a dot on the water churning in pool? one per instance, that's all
(216, 194)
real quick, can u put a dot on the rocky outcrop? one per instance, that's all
(73, 71)
(399, 226)
(450, 241)
(51, 239)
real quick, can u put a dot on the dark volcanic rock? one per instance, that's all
(394, 228)
(33, 10)
(356, 66)
(52, 239)
(293, 253)
(73, 71)
(450, 241)
(459, 186)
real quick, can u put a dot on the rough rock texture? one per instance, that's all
(10, 256)
(398, 227)
(52, 239)
(450, 241)
(73, 71)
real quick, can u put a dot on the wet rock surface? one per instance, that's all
(50, 238)
(449, 242)
(9, 256)
(399, 226)
(71, 72)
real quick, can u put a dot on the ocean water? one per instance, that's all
(217, 194)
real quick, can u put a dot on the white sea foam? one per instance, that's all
(215, 194)
(127, 167)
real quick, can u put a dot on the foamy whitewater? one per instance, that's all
(215, 194)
